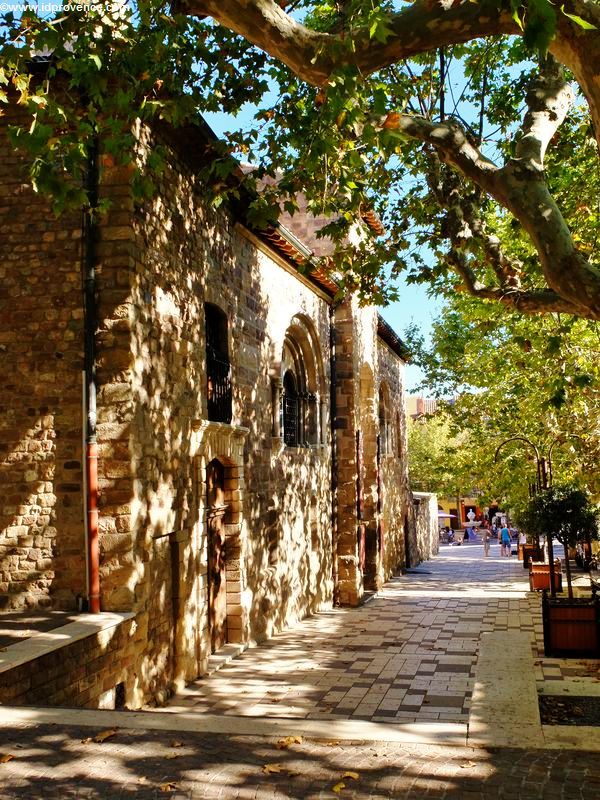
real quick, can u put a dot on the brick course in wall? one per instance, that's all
(84, 673)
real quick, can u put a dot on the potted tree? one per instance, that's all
(571, 624)
(528, 522)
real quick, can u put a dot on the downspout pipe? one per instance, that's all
(334, 456)
(90, 238)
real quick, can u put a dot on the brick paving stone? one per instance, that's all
(407, 656)
(421, 633)
(52, 762)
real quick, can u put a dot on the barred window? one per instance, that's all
(290, 410)
(218, 368)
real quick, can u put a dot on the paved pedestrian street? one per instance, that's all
(428, 690)
(409, 655)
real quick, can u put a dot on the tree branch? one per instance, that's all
(540, 301)
(548, 99)
(313, 56)
(521, 188)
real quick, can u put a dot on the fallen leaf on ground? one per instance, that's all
(6, 758)
(172, 755)
(268, 769)
(338, 787)
(168, 787)
(353, 775)
(468, 765)
(287, 741)
(100, 737)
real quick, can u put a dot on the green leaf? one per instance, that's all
(515, 8)
(587, 26)
(540, 25)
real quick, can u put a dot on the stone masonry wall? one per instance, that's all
(179, 254)
(349, 574)
(370, 548)
(158, 264)
(397, 511)
(42, 561)
(427, 524)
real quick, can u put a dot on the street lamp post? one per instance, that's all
(543, 466)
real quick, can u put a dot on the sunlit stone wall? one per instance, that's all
(399, 538)
(159, 262)
(178, 254)
(41, 515)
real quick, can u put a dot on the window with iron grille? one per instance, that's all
(290, 410)
(218, 368)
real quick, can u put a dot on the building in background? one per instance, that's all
(417, 406)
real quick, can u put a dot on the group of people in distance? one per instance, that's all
(503, 532)
(498, 530)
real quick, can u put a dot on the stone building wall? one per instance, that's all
(41, 512)
(427, 524)
(155, 443)
(158, 264)
(375, 517)
(397, 518)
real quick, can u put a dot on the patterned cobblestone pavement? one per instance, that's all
(53, 763)
(407, 656)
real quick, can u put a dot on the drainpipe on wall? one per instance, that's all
(334, 458)
(89, 233)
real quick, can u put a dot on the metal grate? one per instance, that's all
(218, 389)
(290, 419)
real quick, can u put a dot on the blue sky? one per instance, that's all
(413, 307)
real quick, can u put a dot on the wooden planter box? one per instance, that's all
(530, 553)
(571, 626)
(539, 576)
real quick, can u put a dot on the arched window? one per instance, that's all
(302, 409)
(218, 368)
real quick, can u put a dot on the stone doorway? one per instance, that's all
(217, 555)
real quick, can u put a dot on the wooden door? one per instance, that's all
(217, 584)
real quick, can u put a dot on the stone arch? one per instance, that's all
(218, 442)
(302, 385)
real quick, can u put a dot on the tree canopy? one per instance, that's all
(471, 128)
(527, 388)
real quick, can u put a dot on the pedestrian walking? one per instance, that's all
(485, 535)
(505, 541)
